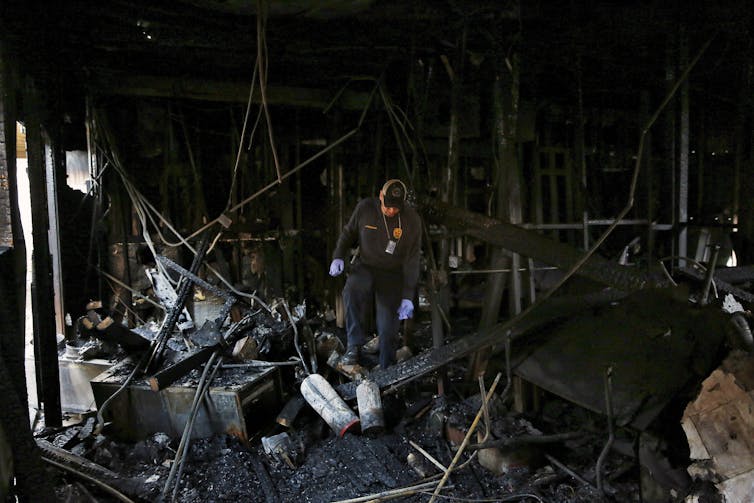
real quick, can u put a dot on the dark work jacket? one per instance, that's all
(367, 228)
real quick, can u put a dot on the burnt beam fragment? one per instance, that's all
(169, 375)
(531, 244)
(429, 361)
(184, 287)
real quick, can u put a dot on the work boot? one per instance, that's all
(373, 346)
(351, 356)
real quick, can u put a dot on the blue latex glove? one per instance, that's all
(406, 310)
(336, 267)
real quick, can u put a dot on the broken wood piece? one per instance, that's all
(500, 460)
(428, 456)
(356, 373)
(263, 476)
(169, 375)
(184, 286)
(121, 334)
(79, 464)
(288, 414)
(245, 348)
(391, 494)
(719, 426)
(567, 470)
(327, 344)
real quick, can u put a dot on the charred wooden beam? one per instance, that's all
(12, 244)
(184, 287)
(169, 375)
(232, 92)
(43, 308)
(429, 361)
(532, 244)
(79, 464)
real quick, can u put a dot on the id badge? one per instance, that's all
(390, 248)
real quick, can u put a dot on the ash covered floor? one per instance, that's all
(553, 454)
(330, 468)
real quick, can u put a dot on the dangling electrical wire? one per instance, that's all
(262, 63)
(296, 342)
(243, 135)
(296, 168)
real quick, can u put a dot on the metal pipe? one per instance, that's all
(610, 427)
(492, 271)
(515, 284)
(202, 395)
(704, 300)
(185, 440)
(596, 222)
(683, 153)
(508, 368)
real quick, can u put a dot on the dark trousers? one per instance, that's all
(364, 286)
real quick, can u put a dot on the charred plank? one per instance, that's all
(531, 244)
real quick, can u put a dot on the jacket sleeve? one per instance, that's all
(349, 236)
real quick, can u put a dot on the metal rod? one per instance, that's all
(710, 274)
(597, 223)
(135, 293)
(610, 427)
(492, 271)
(683, 152)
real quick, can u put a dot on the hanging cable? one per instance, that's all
(296, 168)
(243, 135)
(262, 63)
(295, 338)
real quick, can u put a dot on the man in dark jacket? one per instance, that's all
(388, 233)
